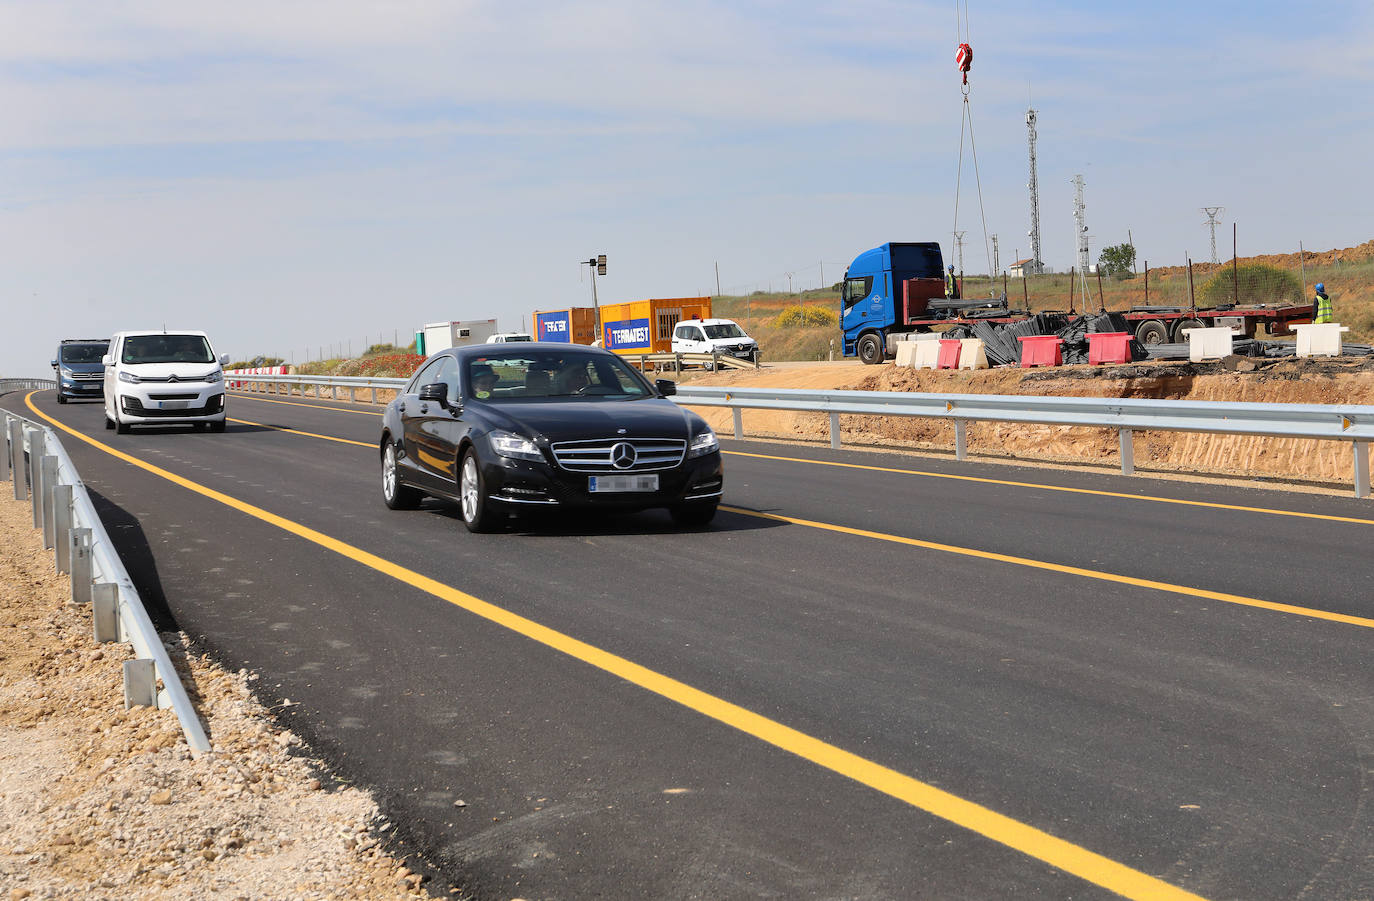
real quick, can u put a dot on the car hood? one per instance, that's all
(186, 372)
(575, 420)
(83, 367)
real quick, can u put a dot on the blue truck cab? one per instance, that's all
(885, 291)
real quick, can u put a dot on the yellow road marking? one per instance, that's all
(1012, 484)
(1069, 570)
(292, 403)
(278, 428)
(1056, 852)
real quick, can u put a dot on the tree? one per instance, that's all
(1118, 260)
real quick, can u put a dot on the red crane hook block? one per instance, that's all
(963, 59)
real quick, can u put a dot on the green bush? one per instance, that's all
(1258, 284)
(806, 317)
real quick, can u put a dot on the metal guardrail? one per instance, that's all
(1333, 422)
(7, 385)
(41, 471)
(272, 384)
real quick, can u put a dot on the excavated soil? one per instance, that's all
(99, 802)
(1323, 381)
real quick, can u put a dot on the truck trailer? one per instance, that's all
(899, 288)
(646, 326)
(576, 325)
(443, 335)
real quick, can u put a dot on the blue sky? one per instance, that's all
(295, 175)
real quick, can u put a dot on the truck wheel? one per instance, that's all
(870, 349)
(1152, 331)
(1179, 337)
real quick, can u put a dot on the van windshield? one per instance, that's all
(166, 349)
(83, 353)
(725, 330)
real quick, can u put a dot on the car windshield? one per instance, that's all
(553, 375)
(166, 349)
(83, 353)
(725, 330)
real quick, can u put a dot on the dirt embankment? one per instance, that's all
(98, 802)
(1336, 381)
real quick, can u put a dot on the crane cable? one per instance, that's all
(963, 60)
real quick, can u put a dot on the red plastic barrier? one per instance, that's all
(1041, 350)
(1109, 347)
(949, 354)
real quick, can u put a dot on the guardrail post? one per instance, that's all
(5, 423)
(351, 398)
(1126, 439)
(834, 429)
(1361, 468)
(140, 683)
(35, 467)
(333, 392)
(80, 555)
(960, 440)
(16, 434)
(48, 465)
(61, 526)
(739, 422)
(105, 613)
(374, 394)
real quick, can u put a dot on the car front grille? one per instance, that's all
(88, 376)
(601, 455)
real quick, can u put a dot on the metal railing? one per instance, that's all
(41, 471)
(1333, 422)
(7, 385)
(297, 384)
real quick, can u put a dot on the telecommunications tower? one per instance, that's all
(1080, 228)
(1213, 221)
(1036, 265)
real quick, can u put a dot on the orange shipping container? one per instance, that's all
(575, 324)
(646, 326)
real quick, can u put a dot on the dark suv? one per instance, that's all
(79, 370)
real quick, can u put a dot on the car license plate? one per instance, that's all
(606, 484)
(172, 405)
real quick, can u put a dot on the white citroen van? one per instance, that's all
(163, 378)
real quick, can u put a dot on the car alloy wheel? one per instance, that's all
(396, 495)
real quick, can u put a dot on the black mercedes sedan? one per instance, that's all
(505, 429)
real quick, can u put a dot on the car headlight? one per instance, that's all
(703, 444)
(130, 378)
(215, 376)
(508, 444)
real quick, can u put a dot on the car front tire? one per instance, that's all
(395, 493)
(477, 513)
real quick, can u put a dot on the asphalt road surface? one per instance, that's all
(874, 676)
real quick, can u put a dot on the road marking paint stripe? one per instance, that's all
(1098, 574)
(1057, 852)
(291, 403)
(1013, 484)
(278, 428)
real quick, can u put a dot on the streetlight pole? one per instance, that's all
(598, 266)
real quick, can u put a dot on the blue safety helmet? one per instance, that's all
(1320, 287)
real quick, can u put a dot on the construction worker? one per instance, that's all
(1321, 305)
(951, 286)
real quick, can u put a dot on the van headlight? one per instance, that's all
(215, 376)
(508, 444)
(129, 377)
(702, 444)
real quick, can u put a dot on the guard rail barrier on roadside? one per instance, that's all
(41, 471)
(1333, 422)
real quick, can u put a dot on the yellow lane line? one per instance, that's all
(278, 428)
(291, 403)
(1098, 574)
(1134, 497)
(1056, 852)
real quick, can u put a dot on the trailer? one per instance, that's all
(443, 335)
(646, 326)
(574, 324)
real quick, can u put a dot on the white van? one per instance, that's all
(163, 378)
(508, 337)
(720, 336)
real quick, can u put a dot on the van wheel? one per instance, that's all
(217, 426)
(61, 398)
(121, 428)
(109, 423)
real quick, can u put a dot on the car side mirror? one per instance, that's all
(666, 387)
(224, 359)
(436, 392)
(54, 364)
(107, 360)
